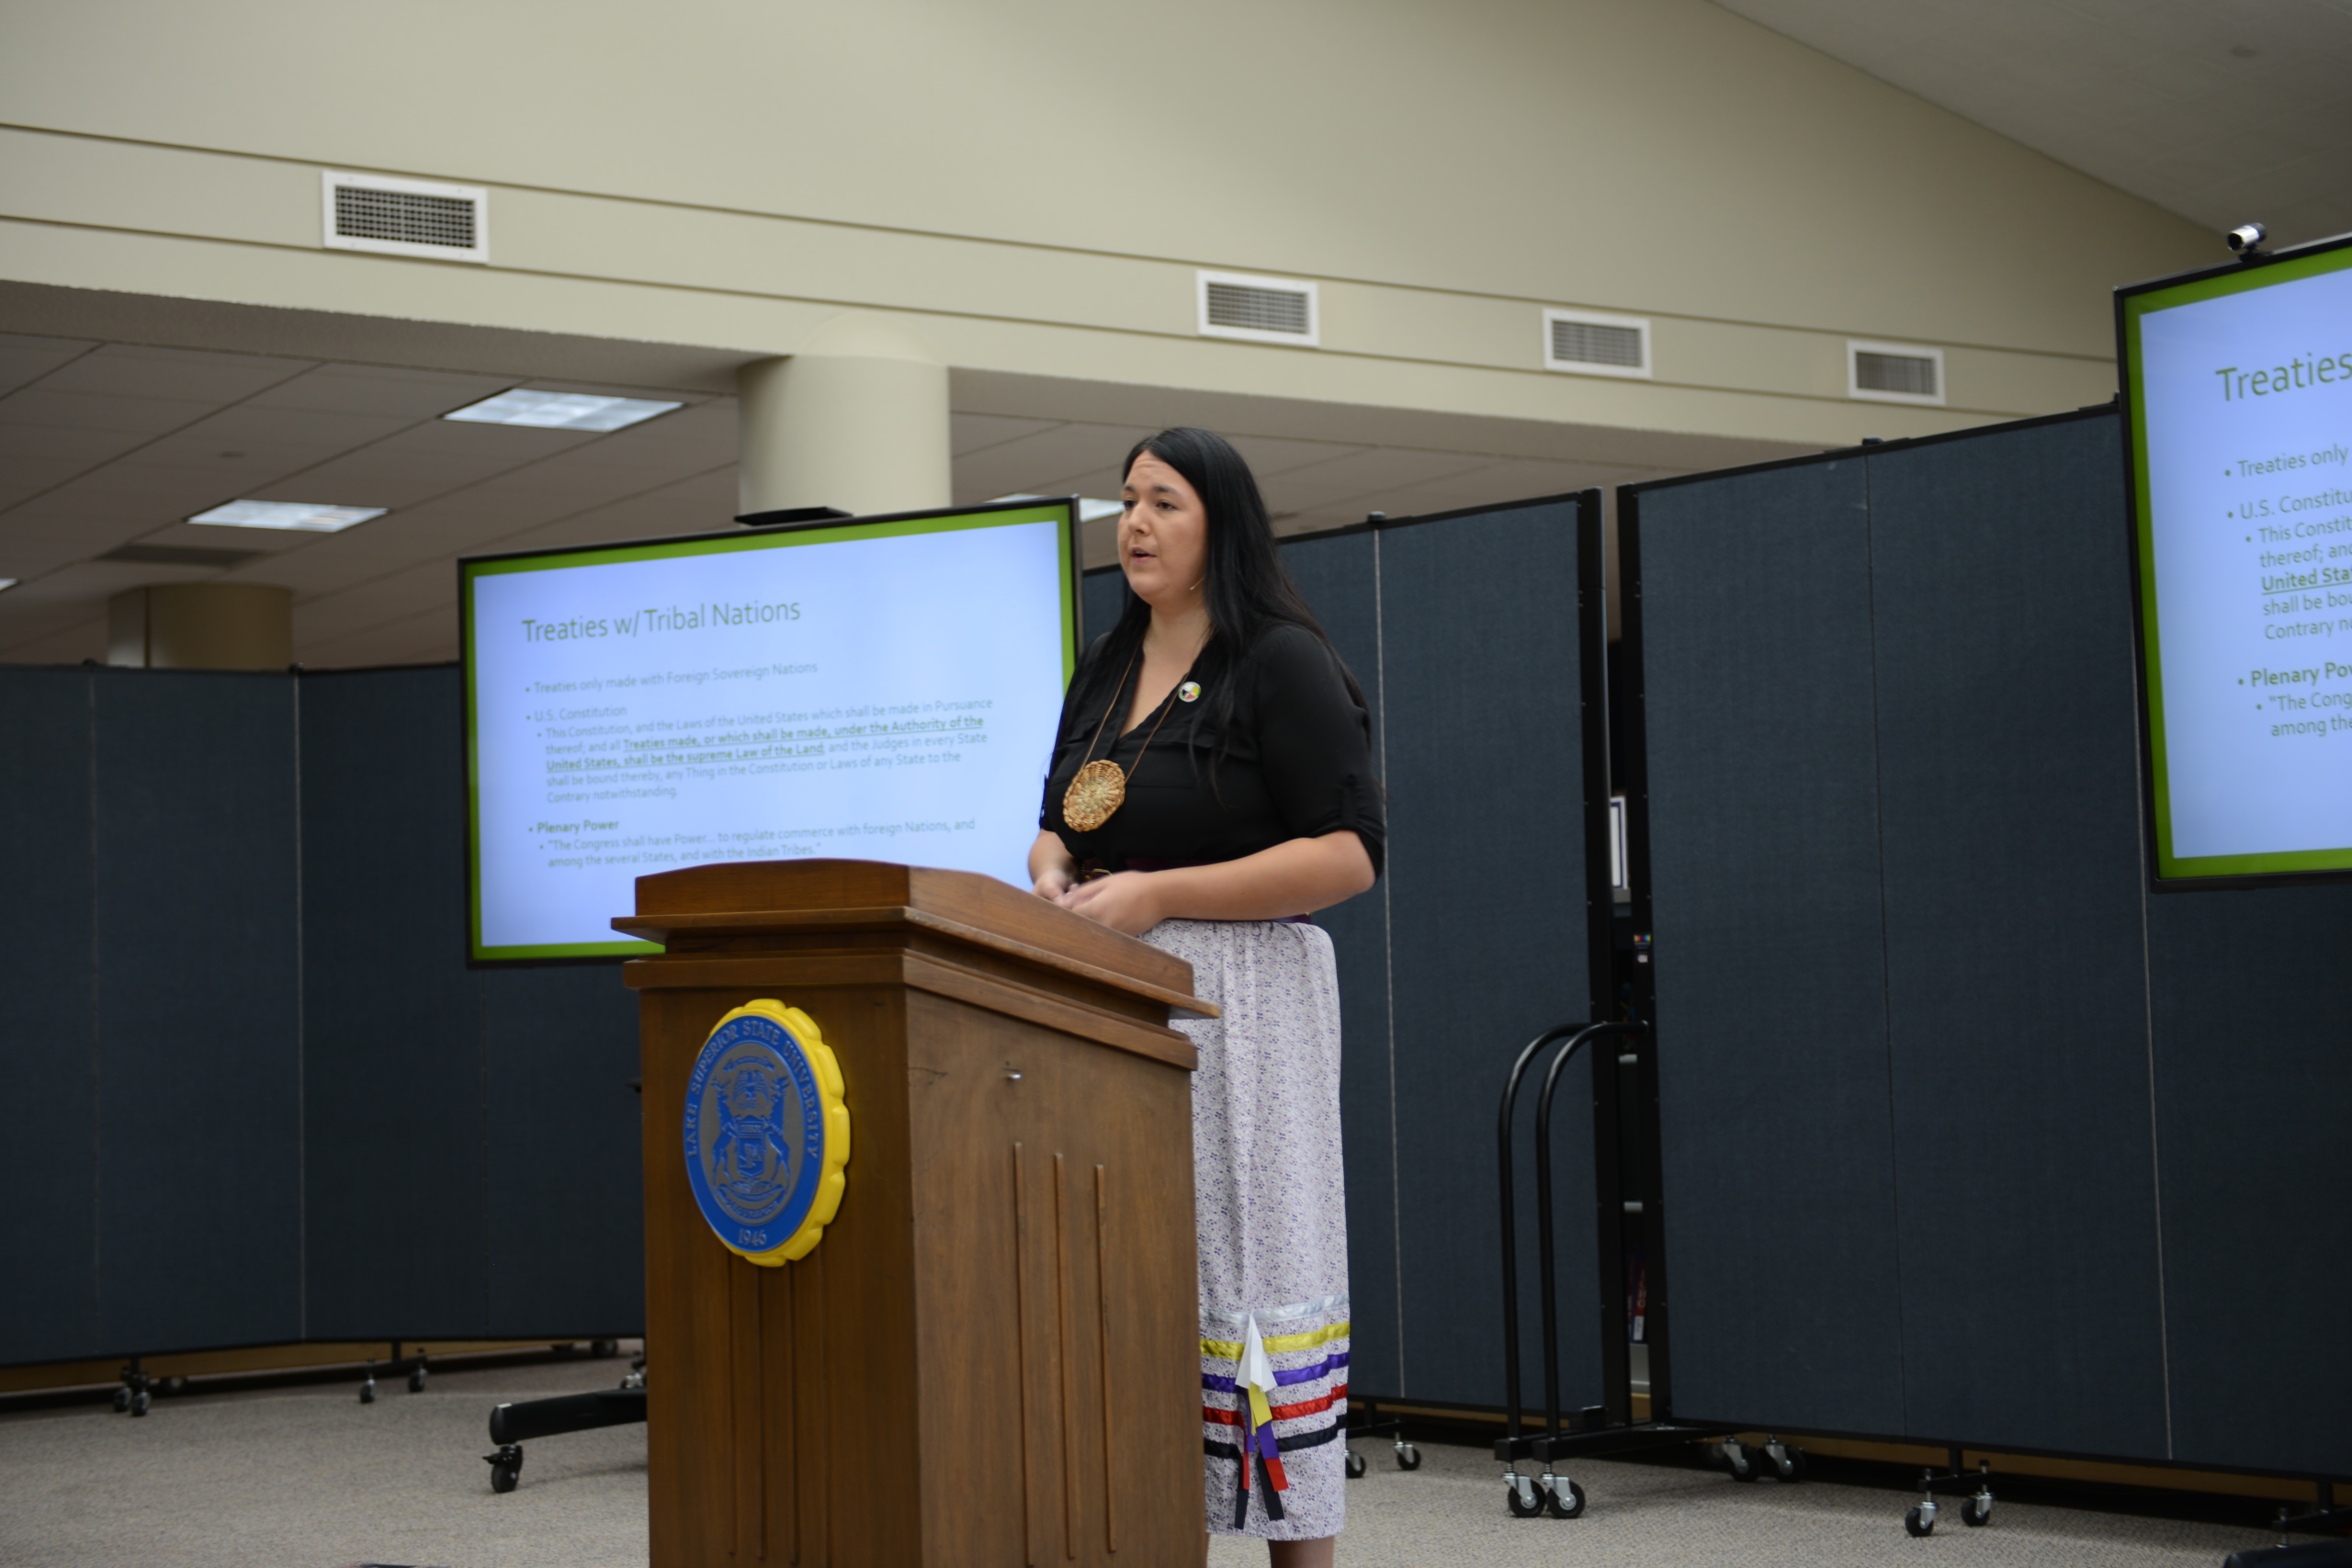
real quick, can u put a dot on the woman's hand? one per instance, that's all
(1295, 877)
(1126, 901)
(1050, 867)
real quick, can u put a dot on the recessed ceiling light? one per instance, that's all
(6, 583)
(305, 515)
(1089, 509)
(561, 411)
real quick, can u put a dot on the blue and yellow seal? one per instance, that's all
(767, 1133)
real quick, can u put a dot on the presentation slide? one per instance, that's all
(879, 691)
(2240, 396)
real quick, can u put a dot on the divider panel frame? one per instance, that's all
(1758, 1318)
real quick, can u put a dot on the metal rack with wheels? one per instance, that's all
(1608, 1427)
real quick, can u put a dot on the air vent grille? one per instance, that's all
(1906, 374)
(1588, 343)
(1258, 310)
(407, 218)
(178, 555)
(444, 220)
(1263, 310)
(1593, 344)
(1894, 373)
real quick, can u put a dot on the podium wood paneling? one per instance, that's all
(992, 1357)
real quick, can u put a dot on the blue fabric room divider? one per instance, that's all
(255, 1094)
(1970, 1137)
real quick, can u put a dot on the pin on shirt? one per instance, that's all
(1189, 692)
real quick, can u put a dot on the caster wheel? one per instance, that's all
(121, 1399)
(368, 1391)
(1977, 1511)
(417, 1381)
(604, 1349)
(139, 1402)
(505, 1467)
(1526, 1501)
(175, 1385)
(1918, 1522)
(1356, 1466)
(1407, 1457)
(1790, 1465)
(1566, 1499)
(1740, 1460)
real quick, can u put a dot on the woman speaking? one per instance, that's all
(1212, 785)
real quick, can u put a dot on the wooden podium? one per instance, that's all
(992, 1355)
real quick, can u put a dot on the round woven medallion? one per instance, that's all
(1099, 790)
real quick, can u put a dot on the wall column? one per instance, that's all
(856, 419)
(202, 625)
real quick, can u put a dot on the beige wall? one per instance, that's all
(1031, 183)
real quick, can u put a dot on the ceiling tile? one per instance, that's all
(1286, 496)
(703, 504)
(24, 359)
(370, 604)
(40, 343)
(1387, 468)
(972, 432)
(429, 636)
(367, 389)
(312, 573)
(504, 445)
(35, 554)
(392, 474)
(1051, 461)
(211, 537)
(48, 407)
(122, 370)
(58, 455)
(690, 440)
(89, 583)
(242, 470)
(143, 497)
(1273, 454)
(634, 460)
(330, 430)
(615, 390)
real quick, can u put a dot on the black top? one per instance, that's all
(1297, 760)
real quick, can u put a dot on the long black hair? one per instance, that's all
(1249, 591)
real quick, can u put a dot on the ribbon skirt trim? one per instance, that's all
(1337, 1361)
(1264, 1452)
(1304, 1407)
(1283, 1314)
(1280, 1344)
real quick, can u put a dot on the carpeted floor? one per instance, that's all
(306, 1476)
(1451, 1514)
(291, 1477)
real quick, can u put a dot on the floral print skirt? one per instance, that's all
(1268, 1201)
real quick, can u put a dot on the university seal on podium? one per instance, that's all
(766, 1133)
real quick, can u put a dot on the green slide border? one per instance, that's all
(2132, 307)
(473, 569)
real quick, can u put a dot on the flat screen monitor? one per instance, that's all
(883, 688)
(2238, 393)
